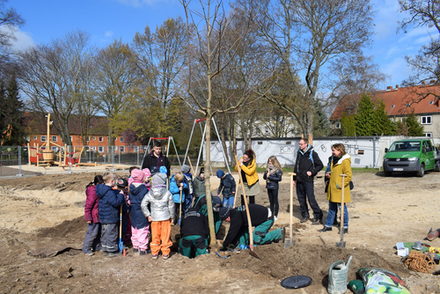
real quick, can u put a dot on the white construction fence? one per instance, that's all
(366, 152)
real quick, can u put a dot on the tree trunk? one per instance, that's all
(213, 238)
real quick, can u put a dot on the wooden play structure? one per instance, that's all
(44, 155)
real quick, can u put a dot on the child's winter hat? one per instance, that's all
(159, 180)
(220, 173)
(138, 176)
(163, 169)
(147, 173)
(224, 212)
(185, 169)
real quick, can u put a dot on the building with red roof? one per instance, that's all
(400, 102)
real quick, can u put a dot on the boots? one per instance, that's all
(325, 229)
(317, 220)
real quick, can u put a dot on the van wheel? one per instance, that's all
(437, 166)
(421, 171)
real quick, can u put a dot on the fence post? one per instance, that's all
(119, 153)
(112, 151)
(19, 174)
(69, 158)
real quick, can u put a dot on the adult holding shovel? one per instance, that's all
(338, 192)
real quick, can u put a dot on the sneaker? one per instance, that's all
(142, 252)
(325, 229)
(165, 257)
(304, 219)
(154, 256)
(89, 253)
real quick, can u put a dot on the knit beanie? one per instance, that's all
(220, 173)
(147, 173)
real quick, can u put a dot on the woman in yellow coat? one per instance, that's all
(248, 168)
(340, 164)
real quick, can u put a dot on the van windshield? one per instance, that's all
(405, 146)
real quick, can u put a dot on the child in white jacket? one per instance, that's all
(160, 216)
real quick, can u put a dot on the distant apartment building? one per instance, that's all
(96, 140)
(422, 101)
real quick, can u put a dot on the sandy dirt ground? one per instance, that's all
(41, 228)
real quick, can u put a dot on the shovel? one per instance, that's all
(289, 242)
(341, 243)
(248, 215)
(120, 241)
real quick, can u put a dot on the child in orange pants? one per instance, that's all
(160, 216)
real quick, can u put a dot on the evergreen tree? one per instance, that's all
(11, 115)
(348, 125)
(372, 120)
(364, 118)
(413, 126)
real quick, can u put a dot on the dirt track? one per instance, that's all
(42, 215)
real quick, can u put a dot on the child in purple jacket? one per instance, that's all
(92, 238)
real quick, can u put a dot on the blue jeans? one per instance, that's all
(332, 210)
(228, 201)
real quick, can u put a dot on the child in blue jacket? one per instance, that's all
(110, 200)
(226, 188)
(179, 189)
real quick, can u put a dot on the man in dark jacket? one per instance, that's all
(307, 165)
(110, 201)
(194, 233)
(155, 159)
(261, 219)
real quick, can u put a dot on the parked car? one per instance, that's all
(411, 155)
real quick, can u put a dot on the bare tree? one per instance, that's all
(215, 50)
(426, 64)
(9, 19)
(307, 36)
(51, 78)
(115, 82)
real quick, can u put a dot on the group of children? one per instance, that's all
(151, 204)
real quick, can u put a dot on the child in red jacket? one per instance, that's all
(92, 238)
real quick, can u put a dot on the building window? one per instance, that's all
(429, 134)
(288, 142)
(54, 148)
(43, 138)
(101, 139)
(54, 138)
(94, 138)
(93, 148)
(88, 139)
(100, 149)
(260, 143)
(121, 139)
(122, 148)
(426, 120)
(35, 137)
(338, 125)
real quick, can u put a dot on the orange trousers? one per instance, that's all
(161, 237)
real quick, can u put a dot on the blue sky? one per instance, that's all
(108, 20)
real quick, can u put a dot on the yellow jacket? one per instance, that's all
(334, 192)
(250, 171)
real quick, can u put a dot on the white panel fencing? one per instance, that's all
(365, 151)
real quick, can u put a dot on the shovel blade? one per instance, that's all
(340, 244)
(254, 254)
(288, 243)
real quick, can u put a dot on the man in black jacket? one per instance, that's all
(155, 159)
(262, 220)
(307, 165)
